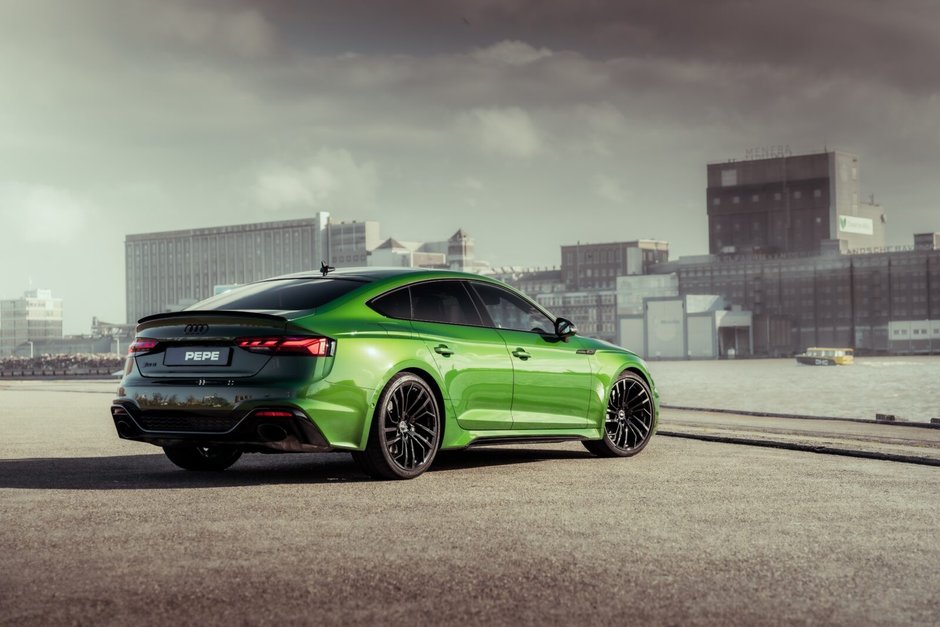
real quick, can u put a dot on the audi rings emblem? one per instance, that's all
(196, 329)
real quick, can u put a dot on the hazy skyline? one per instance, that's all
(528, 123)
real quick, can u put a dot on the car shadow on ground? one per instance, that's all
(500, 456)
(147, 472)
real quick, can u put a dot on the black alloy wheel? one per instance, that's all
(628, 420)
(202, 458)
(406, 430)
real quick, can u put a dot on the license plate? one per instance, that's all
(197, 356)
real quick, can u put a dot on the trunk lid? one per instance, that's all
(200, 344)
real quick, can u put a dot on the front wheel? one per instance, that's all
(628, 420)
(210, 458)
(405, 432)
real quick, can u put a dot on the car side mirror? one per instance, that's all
(565, 328)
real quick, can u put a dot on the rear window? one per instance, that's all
(286, 294)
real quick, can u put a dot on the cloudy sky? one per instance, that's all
(529, 123)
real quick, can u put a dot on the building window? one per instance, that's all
(817, 193)
(716, 201)
(797, 194)
(776, 195)
(729, 177)
(755, 198)
(735, 200)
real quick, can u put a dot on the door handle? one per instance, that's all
(521, 354)
(442, 349)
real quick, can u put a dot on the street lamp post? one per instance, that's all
(30, 342)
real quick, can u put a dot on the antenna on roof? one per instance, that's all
(325, 269)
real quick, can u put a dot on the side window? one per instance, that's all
(444, 301)
(395, 304)
(509, 311)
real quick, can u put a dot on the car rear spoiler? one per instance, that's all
(210, 313)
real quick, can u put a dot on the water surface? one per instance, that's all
(908, 387)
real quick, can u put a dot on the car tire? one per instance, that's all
(406, 430)
(629, 419)
(202, 458)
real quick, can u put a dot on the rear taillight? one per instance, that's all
(310, 346)
(141, 345)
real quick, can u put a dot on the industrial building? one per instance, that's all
(167, 271)
(584, 289)
(593, 312)
(33, 318)
(687, 327)
(883, 301)
(797, 261)
(656, 322)
(597, 266)
(790, 204)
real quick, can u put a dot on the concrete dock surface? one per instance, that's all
(97, 530)
(912, 442)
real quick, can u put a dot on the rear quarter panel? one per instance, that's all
(370, 350)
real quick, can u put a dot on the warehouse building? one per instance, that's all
(597, 266)
(171, 270)
(871, 301)
(687, 327)
(790, 204)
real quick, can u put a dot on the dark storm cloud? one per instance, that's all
(890, 41)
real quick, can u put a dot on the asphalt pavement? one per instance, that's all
(94, 530)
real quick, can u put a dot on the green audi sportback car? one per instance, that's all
(392, 365)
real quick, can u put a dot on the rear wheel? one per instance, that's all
(628, 421)
(405, 432)
(209, 458)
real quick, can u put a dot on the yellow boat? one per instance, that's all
(816, 356)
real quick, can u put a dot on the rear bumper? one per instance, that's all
(293, 433)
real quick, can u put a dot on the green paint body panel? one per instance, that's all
(559, 390)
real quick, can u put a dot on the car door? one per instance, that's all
(551, 379)
(472, 359)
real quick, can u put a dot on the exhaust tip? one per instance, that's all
(271, 433)
(124, 429)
